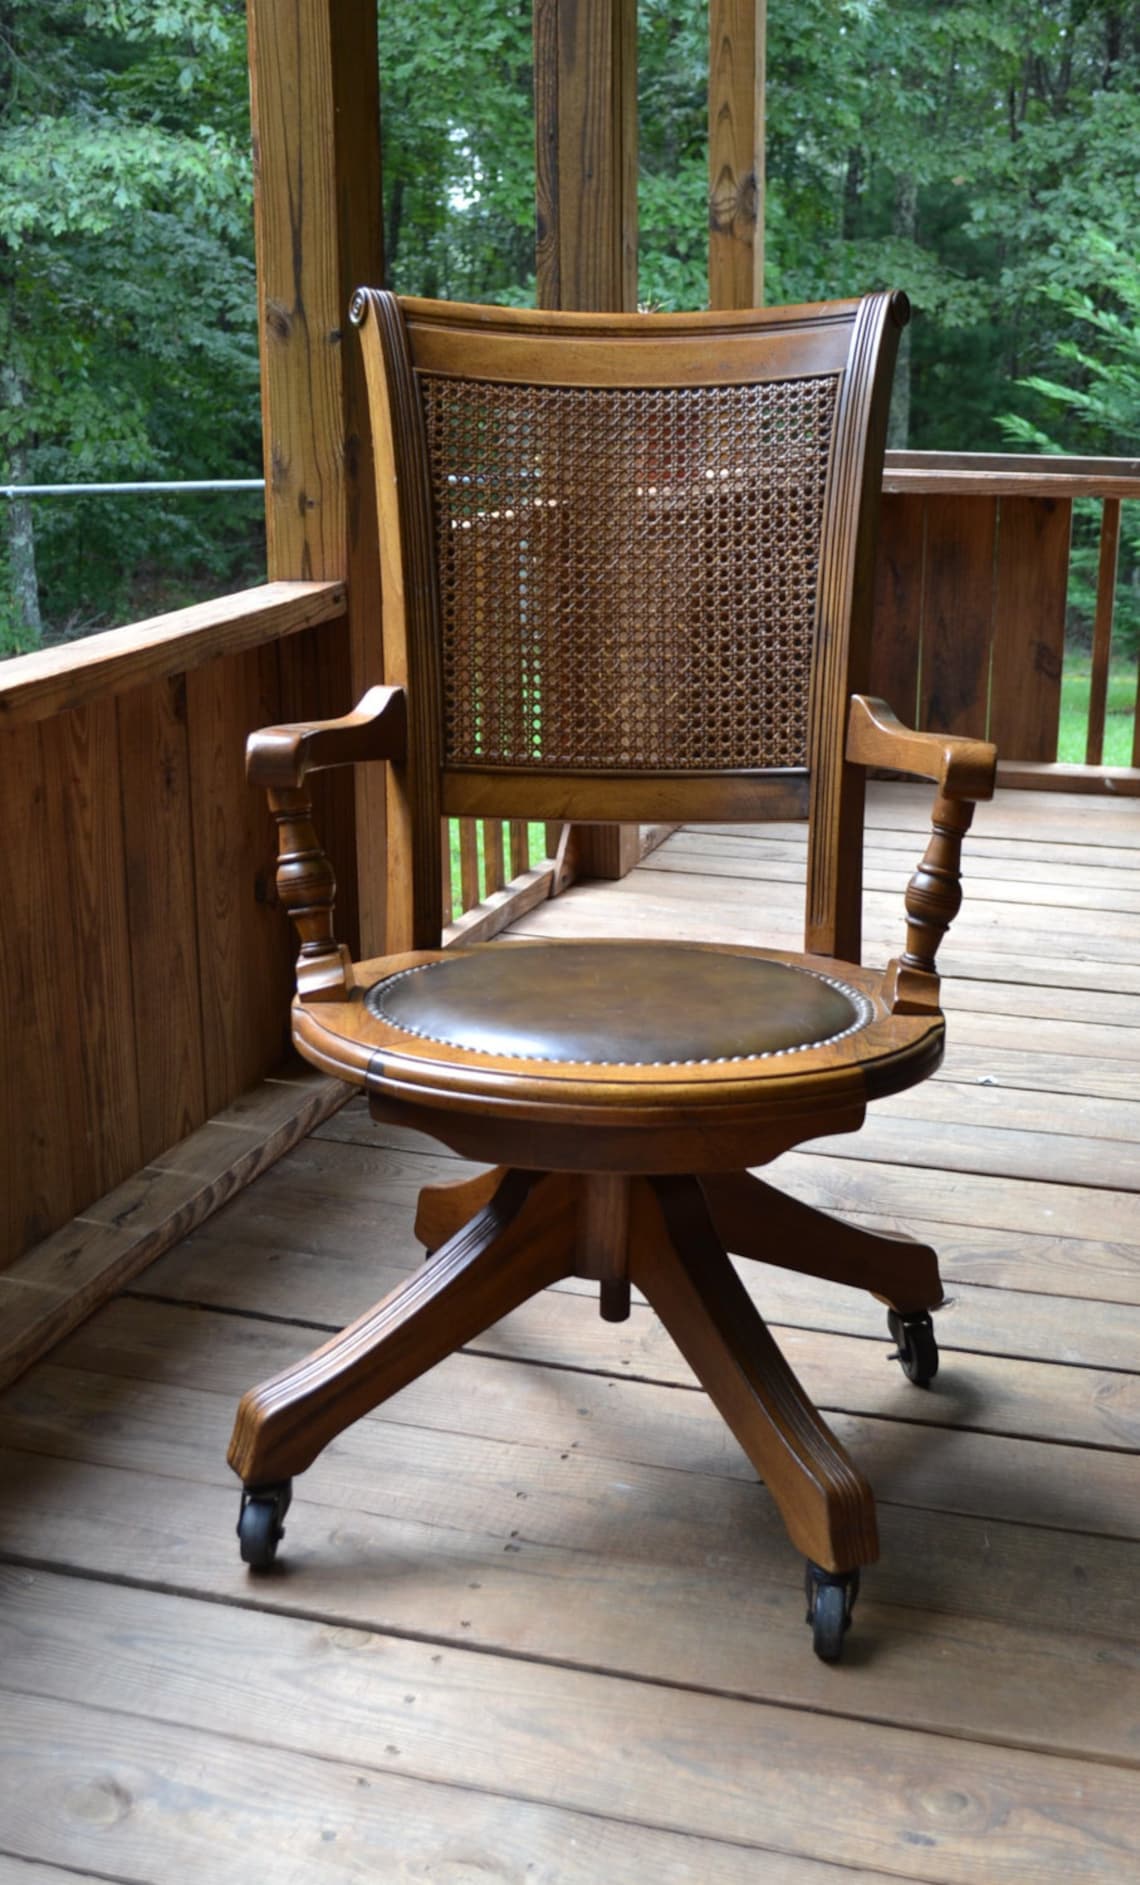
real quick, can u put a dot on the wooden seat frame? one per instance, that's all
(637, 1175)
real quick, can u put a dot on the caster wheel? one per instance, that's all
(830, 1600)
(259, 1527)
(917, 1346)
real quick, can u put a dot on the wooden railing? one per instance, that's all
(145, 972)
(971, 603)
(480, 901)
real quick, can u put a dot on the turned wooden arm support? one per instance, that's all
(375, 729)
(964, 771)
(280, 758)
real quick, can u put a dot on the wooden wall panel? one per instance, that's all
(84, 828)
(1031, 587)
(898, 605)
(40, 1186)
(245, 947)
(957, 613)
(159, 856)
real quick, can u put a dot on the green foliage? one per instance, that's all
(127, 303)
(984, 157)
(457, 124)
(1095, 409)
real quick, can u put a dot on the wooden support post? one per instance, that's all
(585, 102)
(314, 82)
(737, 31)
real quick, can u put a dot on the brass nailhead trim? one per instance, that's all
(864, 1013)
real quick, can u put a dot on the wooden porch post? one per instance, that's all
(737, 30)
(314, 82)
(585, 102)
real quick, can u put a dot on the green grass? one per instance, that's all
(1075, 711)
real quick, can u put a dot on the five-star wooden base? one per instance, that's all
(499, 1238)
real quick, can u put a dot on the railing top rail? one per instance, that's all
(997, 474)
(70, 674)
(175, 485)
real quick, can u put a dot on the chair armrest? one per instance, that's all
(280, 758)
(964, 771)
(377, 728)
(961, 768)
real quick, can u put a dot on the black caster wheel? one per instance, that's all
(830, 1600)
(259, 1527)
(917, 1346)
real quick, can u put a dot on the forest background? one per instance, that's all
(984, 156)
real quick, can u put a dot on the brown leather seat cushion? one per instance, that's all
(632, 1004)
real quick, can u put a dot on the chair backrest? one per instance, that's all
(627, 565)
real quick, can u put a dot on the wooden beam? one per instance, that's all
(314, 81)
(61, 1281)
(585, 100)
(585, 103)
(55, 680)
(1011, 474)
(1114, 781)
(737, 32)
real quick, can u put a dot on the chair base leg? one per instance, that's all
(753, 1219)
(519, 1242)
(441, 1210)
(532, 1229)
(679, 1261)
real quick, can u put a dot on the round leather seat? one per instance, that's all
(627, 1004)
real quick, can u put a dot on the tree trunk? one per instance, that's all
(19, 534)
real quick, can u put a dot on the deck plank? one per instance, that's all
(168, 1804)
(447, 1717)
(553, 1544)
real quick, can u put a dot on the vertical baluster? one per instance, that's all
(468, 864)
(520, 847)
(445, 870)
(494, 875)
(1102, 629)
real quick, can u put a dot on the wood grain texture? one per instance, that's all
(737, 35)
(244, 946)
(85, 835)
(1031, 584)
(41, 1184)
(586, 244)
(314, 91)
(586, 137)
(54, 1286)
(957, 613)
(159, 861)
(895, 637)
(1011, 474)
(199, 1807)
(36, 686)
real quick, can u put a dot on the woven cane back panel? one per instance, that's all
(627, 578)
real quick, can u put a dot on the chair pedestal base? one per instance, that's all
(501, 1237)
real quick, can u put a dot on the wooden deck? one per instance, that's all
(535, 1619)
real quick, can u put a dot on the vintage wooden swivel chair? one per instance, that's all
(627, 570)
